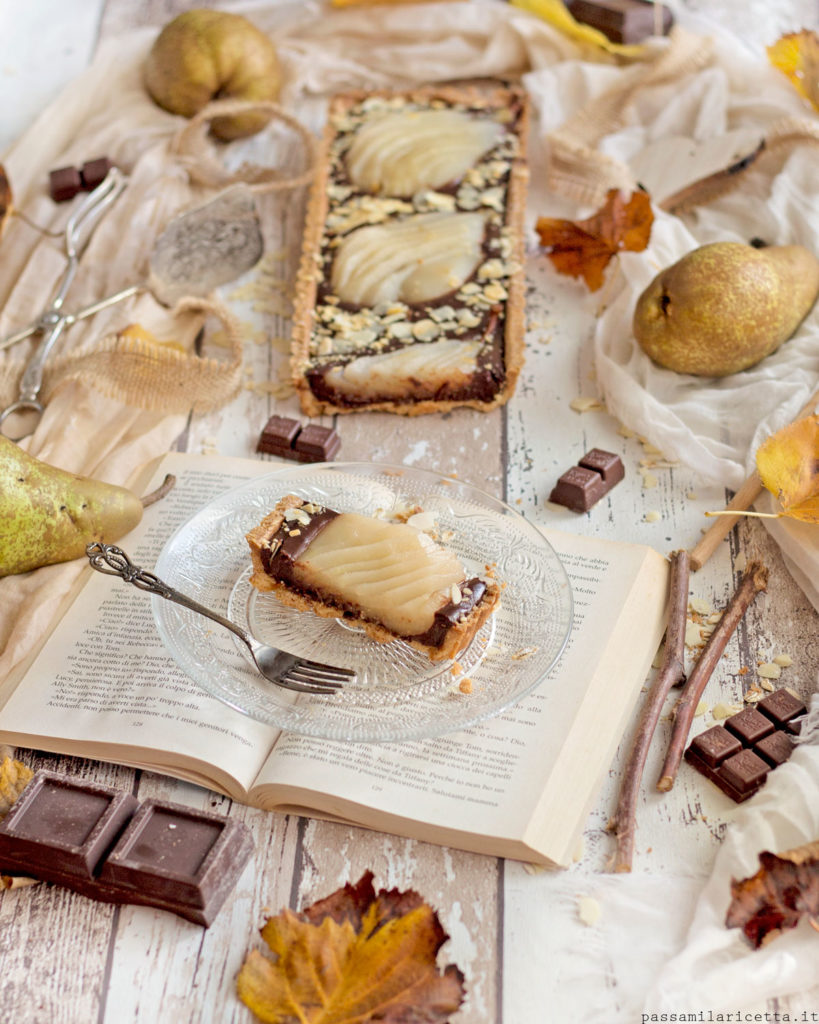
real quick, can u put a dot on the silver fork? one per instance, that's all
(277, 666)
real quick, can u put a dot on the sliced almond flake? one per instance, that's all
(691, 495)
(714, 617)
(625, 431)
(721, 711)
(579, 850)
(586, 404)
(768, 670)
(752, 696)
(649, 448)
(649, 479)
(653, 516)
(785, 660)
(699, 604)
(588, 911)
(693, 637)
(700, 709)
(766, 684)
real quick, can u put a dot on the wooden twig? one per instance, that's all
(754, 580)
(743, 499)
(711, 187)
(672, 672)
(167, 485)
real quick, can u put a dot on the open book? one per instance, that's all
(519, 785)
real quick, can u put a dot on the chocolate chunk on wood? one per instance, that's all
(623, 21)
(64, 183)
(102, 843)
(738, 755)
(286, 437)
(586, 483)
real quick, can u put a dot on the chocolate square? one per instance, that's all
(278, 436)
(775, 748)
(622, 21)
(578, 489)
(62, 826)
(64, 183)
(715, 745)
(749, 726)
(781, 706)
(178, 858)
(94, 172)
(316, 443)
(745, 772)
(607, 464)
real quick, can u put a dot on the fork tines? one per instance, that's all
(319, 678)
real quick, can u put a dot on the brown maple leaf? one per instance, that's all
(356, 956)
(775, 898)
(584, 248)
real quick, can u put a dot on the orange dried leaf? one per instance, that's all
(788, 465)
(797, 55)
(354, 957)
(773, 900)
(14, 777)
(584, 248)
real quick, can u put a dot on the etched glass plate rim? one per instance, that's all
(184, 634)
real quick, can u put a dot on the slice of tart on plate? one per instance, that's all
(391, 579)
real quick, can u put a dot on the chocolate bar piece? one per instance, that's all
(738, 755)
(623, 21)
(586, 483)
(286, 437)
(64, 183)
(104, 844)
(93, 172)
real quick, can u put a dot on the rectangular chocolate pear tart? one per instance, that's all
(390, 578)
(410, 292)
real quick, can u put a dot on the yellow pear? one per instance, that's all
(724, 306)
(203, 55)
(48, 515)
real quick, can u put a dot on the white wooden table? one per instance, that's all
(69, 961)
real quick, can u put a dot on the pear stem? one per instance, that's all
(745, 512)
(166, 486)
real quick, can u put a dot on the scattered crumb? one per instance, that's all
(652, 517)
(768, 670)
(588, 910)
(465, 685)
(744, 670)
(586, 404)
(785, 660)
(524, 652)
(456, 668)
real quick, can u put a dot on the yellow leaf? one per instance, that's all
(351, 958)
(788, 465)
(797, 55)
(14, 777)
(555, 12)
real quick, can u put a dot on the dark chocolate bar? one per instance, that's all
(738, 755)
(94, 172)
(102, 843)
(623, 21)
(286, 437)
(586, 483)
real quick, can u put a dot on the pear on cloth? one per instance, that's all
(49, 515)
(725, 306)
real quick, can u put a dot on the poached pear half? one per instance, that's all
(49, 515)
(724, 306)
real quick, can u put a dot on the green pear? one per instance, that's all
(48, 515)
(203, 55)
(725, 306)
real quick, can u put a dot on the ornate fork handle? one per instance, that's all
(111, 560)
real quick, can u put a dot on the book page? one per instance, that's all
(104, 685)
(490, 781)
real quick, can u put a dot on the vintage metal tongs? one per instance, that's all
(53, 321)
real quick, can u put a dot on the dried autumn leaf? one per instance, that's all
(14, 777)
(797, 55)
(788, 465)
(775, 898)
(352, 958)
(6, 203)
(584, 248)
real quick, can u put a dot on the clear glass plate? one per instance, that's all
(400, 694)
